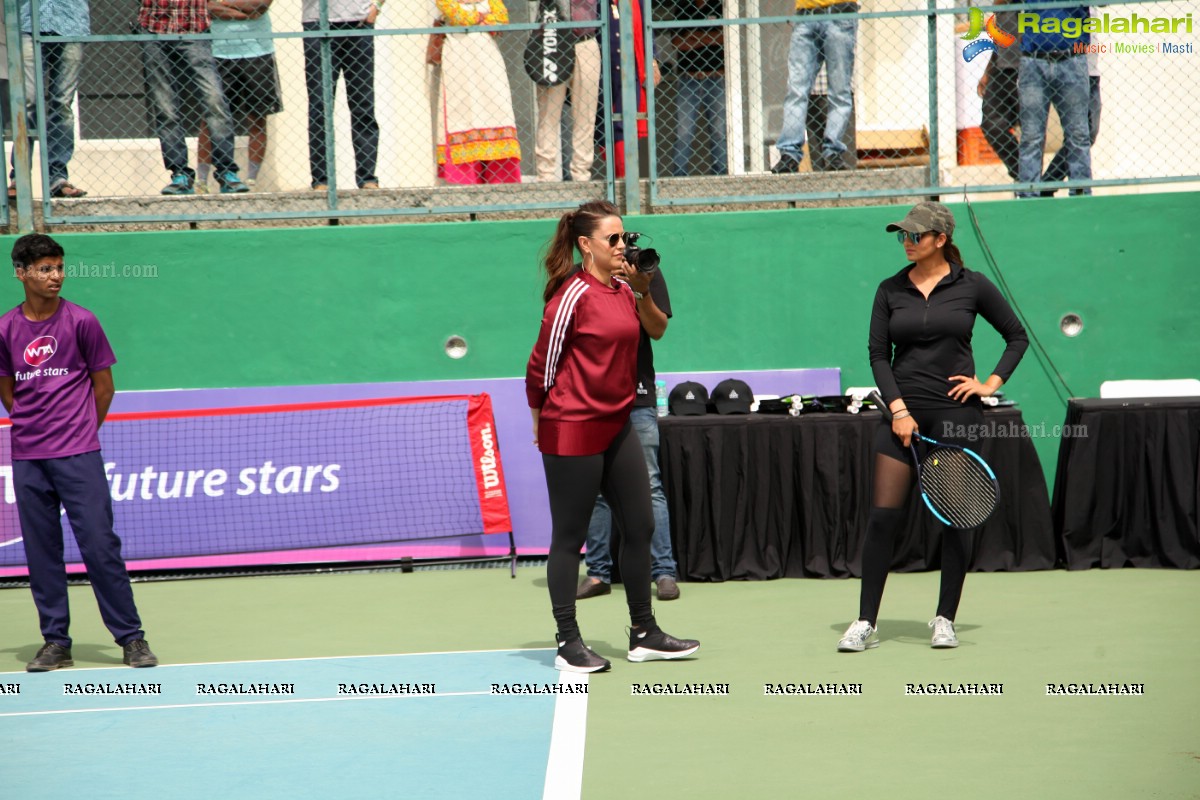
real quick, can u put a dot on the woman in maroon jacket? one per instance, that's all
(580, 384)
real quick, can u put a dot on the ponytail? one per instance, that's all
(560, 250)
(559, 256)
(950, 252)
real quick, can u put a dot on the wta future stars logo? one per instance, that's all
(977, 26)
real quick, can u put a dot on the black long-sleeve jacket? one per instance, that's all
(917, 344)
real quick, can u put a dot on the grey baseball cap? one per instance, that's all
(925, 217)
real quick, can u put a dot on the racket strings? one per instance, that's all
(959, 487)
(964, 497)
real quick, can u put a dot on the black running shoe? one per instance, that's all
(137, 654)
(786, 165)
(51, 656)
(654, 644)
(575, 656)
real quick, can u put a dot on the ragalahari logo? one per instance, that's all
(977, 26)
(40, 350)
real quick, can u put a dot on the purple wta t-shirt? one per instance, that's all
(54, 409)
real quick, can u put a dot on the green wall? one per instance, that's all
(750, 290)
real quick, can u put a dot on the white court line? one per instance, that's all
(12, 541)
(312, 658)
(243, 703)
(564, 768)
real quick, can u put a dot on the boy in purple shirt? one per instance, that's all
(56, 383)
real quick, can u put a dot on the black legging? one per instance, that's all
(894, 476)
(573, 482)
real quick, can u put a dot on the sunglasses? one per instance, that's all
(915, 238)
(612, 238)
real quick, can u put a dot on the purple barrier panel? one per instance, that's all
(523, 473)
(237, 481)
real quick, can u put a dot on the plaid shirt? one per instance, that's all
(174, 16)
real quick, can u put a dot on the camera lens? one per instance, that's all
(647, 260)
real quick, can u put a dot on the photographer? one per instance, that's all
(580, 386)
(654, 309)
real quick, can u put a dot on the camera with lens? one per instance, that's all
(643, 260)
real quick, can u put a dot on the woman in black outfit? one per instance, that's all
(920, 346)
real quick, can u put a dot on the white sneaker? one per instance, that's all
(200, 187)
(943, 633)
(858, 637)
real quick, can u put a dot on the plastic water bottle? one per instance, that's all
(660, 398)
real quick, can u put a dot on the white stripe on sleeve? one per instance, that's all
(558, 331)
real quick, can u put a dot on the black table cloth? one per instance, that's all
(763, 496)
(1127, 489)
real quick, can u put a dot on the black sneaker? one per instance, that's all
(786, 165)
(575, 656)
(654, 644)
(829, 162)
(50, 657)
(137, 654)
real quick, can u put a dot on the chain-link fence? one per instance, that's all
(823, 101)
(347, 108)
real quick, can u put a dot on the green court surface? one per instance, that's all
(1022, 630)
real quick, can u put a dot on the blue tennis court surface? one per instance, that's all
(423, 725)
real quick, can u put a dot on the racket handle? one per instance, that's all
(877, 400)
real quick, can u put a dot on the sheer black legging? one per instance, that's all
(619, 473)
(894, 476)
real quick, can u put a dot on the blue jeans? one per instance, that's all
(816, 40)
(61, 63)
(1057, 170)
(193, 59)
(353, 57)
(1065, 84)
(662, 562)
(699, 101)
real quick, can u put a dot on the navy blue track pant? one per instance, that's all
(79, 485)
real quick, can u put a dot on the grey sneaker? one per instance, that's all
(943, 633)
(591, 587)
(858, 637)
(668, 589)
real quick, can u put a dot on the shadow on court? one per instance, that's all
(537, 652)
(600, 646)
(907, 631)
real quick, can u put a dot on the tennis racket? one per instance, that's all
(956, 484)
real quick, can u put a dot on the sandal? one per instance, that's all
(67, 189)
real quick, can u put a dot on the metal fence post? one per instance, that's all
(931, 44)
(20, 129)
(327, 97)
(629, 105)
